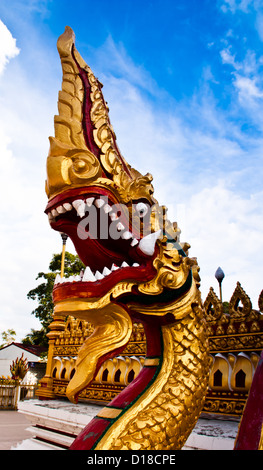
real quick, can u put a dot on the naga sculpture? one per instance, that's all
(136, 271)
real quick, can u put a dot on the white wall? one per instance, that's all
(9, 354)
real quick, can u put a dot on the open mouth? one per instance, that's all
(107, 241)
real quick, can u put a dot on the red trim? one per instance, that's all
(96, 289)
(87, 124)
(87, 106)
(134, 389)
(94, 431)
(90, 434)
(250, 429)
(71, 194)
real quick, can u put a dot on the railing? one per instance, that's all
(11, 391)
(27, 391)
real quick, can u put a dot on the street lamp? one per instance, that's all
(219, 275)
(64, 239)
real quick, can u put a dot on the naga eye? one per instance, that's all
(141, 208)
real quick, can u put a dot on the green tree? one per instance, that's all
(43, 294)
(8, 337)
(226, 307)
(36, 337)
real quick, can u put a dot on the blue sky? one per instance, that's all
(184, 83)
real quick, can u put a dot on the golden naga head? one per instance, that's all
(84, 151)
(129, 247)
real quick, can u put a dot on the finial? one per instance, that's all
(219, 275)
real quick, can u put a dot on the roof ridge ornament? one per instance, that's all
(240, 305)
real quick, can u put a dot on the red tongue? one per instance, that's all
(97, 254)
(96, 236)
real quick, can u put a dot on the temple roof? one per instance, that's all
(33, 349)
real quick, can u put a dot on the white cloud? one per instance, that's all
(26, 241)
(235, 5)
(229, 58)
(250, 66)
(113, 60)
(8, 48)
(202, 173)
(259, 25)
(247, 82)
(247, 88)
(225, 229)
(246, 7)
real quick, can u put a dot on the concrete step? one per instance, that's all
(54, 423)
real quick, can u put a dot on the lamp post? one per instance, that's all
(46, 388)
(219, 275)
(64, 240)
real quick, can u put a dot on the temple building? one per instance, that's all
(235, 340)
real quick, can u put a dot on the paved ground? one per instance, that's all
(12, 428)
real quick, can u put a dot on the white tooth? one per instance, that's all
(77, 278)
(88, 275)
(89, 201)
(134, 242)
(50, 217)
(135, 265)
(107, 208)
(114, 267)
(113, 216)
(54, 212)
(70, 279)
(61, 210)
(98, 276)
(58, 279)
(79, 205)
(126, 235)
(125, 265)
(67, 206)
(106, 271)
(99, 203)
(120, 226)
(147, 243)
